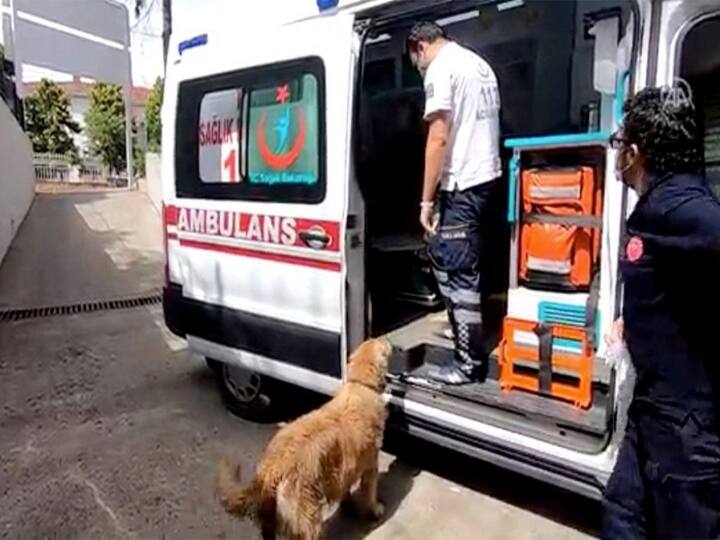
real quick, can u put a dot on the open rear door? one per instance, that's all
(261, 167)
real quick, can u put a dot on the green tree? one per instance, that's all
(152, 116)
(48, 121)
(138, 150)
(105, 125)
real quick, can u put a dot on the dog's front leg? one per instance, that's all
(368, 490)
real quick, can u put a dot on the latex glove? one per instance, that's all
(428, 219)
(615, 338)
(617, 353)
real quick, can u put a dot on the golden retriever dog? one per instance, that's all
(314, 462)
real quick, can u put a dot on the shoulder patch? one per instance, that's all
(430, 90)
(634, 249)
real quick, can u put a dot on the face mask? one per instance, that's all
(415, 59)
(620, 167)
(623, 166)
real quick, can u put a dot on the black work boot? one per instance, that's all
(457, 373)
(476, 370)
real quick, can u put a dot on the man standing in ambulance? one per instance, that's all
(462, 168)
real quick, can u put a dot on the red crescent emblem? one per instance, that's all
(634, 249)
(284, 160)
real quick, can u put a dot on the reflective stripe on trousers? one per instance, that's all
(456, 253)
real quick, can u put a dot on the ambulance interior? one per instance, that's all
(700, 68)
(543, 56)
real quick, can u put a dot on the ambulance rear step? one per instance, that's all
(523, 412)
(423, 341)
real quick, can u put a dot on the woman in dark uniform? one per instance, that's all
(666, 481)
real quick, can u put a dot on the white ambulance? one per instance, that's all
(292, 166)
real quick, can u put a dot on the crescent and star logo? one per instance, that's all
(284, 154)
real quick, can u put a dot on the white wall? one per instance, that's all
(16, 177)
(79, 106)
(153, 179)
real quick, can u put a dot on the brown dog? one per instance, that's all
(314, 462)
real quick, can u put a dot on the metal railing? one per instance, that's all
(52, 167)
(63, 169)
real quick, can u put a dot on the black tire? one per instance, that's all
(264, 404)
(213, 365)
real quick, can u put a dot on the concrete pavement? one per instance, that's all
(80, 246)
(110, 429)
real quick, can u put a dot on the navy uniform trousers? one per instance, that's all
(666, 482)
(457, 252)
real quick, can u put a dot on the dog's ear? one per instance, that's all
(368, 364)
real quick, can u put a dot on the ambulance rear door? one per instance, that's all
(258, 215)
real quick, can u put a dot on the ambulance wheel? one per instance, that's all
(248, 394)
(213, 365)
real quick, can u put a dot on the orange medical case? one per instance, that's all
(560, 225)
(556, 367)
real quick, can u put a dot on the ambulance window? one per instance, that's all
(411, 78)
(700, 70)
(283, 133)
(255, 134)
(219, 152)
(379, 76)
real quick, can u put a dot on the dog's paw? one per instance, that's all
(377, 511)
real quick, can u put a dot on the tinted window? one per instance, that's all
(283, 134)
(219, 153)
(256, 134)
(701, 70)
(379, 76)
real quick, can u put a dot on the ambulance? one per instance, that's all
(292, 166)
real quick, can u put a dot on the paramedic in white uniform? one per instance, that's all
(462, 168)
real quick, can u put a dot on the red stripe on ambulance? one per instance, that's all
(280, 230)
(171, 215)
(278, 257)
(263, 229)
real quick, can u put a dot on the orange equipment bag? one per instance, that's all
(552, 367)
(559, 236)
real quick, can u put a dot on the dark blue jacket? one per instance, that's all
(671, 272)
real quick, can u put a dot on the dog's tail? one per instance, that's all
(236, 499)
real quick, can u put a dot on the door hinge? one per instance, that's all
(355, 240)
(361, 25)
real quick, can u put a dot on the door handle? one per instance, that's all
(315, 239)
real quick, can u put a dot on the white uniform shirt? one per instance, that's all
(462, 83)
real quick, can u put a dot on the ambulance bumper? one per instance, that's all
(295, 344)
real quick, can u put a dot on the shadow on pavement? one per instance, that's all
(394, 485)
(540, 498)
(106, 431)
(410, 456)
